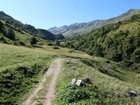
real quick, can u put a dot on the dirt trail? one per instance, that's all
(52, 71)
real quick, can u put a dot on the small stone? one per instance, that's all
(73, 81)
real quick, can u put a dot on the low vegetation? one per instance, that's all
(106, 89)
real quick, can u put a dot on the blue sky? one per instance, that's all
(49, 13)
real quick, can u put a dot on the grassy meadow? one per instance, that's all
(21, 69)
(108, 87)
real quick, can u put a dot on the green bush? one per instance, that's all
(136, 55)
(10, 34)
(1, 26)
(116, 56)
(32, 40)
(74, 94)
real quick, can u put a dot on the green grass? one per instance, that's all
(11, 56)
(64, 52)
(107, 84)
(20, 69)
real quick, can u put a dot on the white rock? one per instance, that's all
(79, 82)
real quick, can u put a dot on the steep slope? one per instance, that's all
(48, 35)
(75, 29)
(12, 35)
(119, 42)
(84, 28)
(15, 25)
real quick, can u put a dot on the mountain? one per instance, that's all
(75, 29)
(18, 27)
(84, 28)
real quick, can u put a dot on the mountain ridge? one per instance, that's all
(16, 24)
(86, 27)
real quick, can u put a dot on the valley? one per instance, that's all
(37, 67)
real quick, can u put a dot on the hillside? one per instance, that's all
(109, 83)
(84, 28)
(119, 42)
(21, 33)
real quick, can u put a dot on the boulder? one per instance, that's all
(132, 93)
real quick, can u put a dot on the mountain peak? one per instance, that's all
(133, 10)
(1, 12)
(4, 14)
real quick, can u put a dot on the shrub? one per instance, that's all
(10, 34)
(75, 94)
(55, 47)
(116, 56)
(98, 51)
(32, 40)
(2, 40)
(136, 55)
(1, 26)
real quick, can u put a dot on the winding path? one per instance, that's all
(52, 71)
